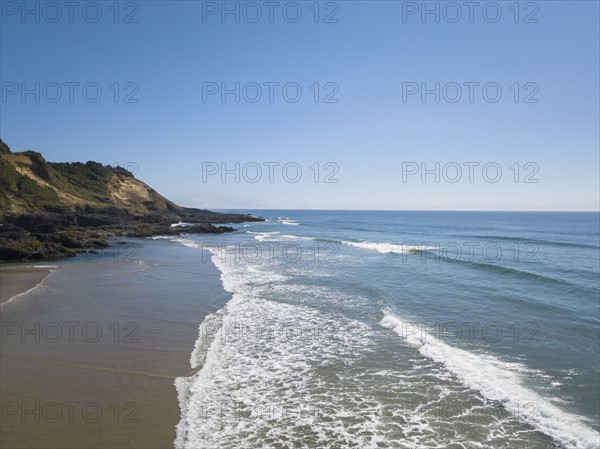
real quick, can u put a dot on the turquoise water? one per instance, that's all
(399, 329)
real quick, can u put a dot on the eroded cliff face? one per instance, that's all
(30, 184)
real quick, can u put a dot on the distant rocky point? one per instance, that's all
(52, 210)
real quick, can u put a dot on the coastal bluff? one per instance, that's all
(51, 210)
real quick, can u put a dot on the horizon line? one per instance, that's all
(418, 210)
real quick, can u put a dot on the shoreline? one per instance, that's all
(16, 279)
(130, 372)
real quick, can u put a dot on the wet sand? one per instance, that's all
(15, 280)
(89, 358)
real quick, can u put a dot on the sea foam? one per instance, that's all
(387, 247)
(501, 381)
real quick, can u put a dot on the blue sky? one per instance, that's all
(366, 61)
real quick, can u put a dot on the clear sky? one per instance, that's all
(374, 58)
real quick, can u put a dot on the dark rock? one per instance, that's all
(52, 236)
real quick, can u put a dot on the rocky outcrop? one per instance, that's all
(52, 236)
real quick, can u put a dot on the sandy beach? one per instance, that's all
(90, 356)
(16, 279)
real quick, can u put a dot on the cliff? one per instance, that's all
(51, 210)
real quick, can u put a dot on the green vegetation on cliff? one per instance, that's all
(31, 195)
(30, 184)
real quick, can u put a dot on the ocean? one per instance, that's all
(318, 329)
(398, 330)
